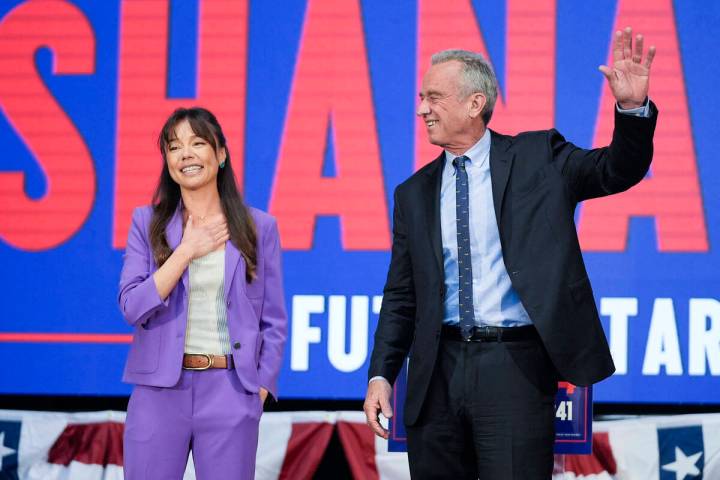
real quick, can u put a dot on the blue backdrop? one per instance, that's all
(71, 288)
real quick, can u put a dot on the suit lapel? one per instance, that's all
(434, 179)
(173, 233)
(500, 165)
(232, 259)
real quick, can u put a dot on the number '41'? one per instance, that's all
(564, 410)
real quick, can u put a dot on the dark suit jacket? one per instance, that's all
(538, 178)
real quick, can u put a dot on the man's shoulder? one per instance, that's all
(421, 177)
(522, 138)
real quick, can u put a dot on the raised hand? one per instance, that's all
(629, 77)
(201, 239)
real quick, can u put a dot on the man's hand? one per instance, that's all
(629, 77)
(378, 399)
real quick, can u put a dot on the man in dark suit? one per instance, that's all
(487, 293)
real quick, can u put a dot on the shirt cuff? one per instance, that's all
(379, 377)
(643, 111)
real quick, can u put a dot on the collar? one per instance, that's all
(477, 154)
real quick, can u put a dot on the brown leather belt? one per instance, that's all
(203, 361)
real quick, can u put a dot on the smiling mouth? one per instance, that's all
(430, 123)
(191, 169)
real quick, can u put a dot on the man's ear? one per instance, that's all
(477, 104)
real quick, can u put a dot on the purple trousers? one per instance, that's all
(207, 411)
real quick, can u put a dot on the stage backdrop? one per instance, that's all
(318, 98)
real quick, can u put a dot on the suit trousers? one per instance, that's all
(488, 413)
(208, 412)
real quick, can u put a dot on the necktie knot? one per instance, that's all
(459, 162)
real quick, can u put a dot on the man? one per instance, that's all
(487, 293)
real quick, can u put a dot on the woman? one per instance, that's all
(201, 284)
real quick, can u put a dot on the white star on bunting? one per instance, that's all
(4, 451)
(683, 465)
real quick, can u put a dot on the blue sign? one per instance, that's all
(317, 99)
(573, 418)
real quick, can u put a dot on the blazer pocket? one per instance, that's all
(144, 353)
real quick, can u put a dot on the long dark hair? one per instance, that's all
(167, 194)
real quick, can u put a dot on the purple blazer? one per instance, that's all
(257, 321)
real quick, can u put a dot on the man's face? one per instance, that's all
(445, 113)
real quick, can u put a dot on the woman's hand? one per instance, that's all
(199, 239)
(263, 395)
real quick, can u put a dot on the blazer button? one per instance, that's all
(229, 302)
(236, 345)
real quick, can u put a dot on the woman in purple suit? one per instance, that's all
(202, 287)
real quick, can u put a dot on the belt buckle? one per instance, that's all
(210, 360)
(466, 336)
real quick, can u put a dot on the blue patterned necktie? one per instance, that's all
(462, 215)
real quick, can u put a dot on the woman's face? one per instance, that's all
(192, 160)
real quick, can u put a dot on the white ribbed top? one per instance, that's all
(207, 330)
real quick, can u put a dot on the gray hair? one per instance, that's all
(477, 76)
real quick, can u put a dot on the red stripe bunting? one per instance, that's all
(305, 449)
(358, 442)
(92, 444)
(601, 460)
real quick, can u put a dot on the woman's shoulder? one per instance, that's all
(262, 219)
(143, 213)
(141, 218)
(144, 210)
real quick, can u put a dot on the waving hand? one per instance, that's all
(629, 76)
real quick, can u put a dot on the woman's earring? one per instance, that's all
(222, 164)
